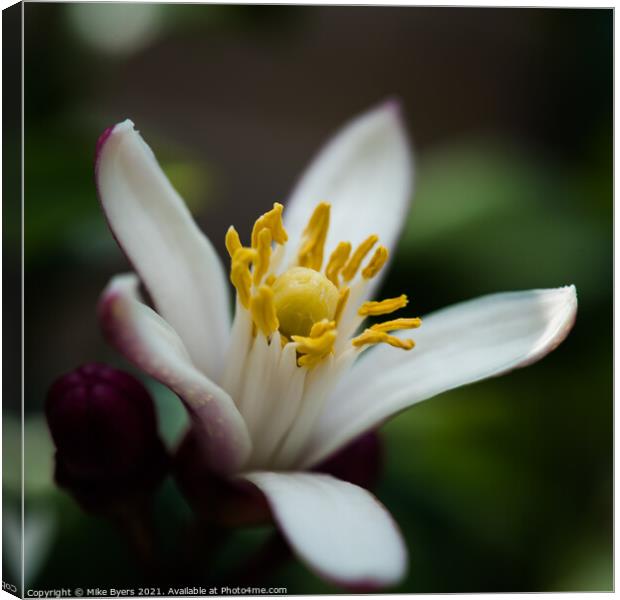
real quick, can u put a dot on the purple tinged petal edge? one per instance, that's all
(101, 140)
(223, 453)
(359, 586)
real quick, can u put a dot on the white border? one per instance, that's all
(454, 3)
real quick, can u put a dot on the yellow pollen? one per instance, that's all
(270, 279)
(397, 324)
(372, 309)
(302, 298)
(263, 311)
(233, 243)
(337, 261)
(342, 302)
(314, 235)
(370, 336)
(271, 220)
(360, 253)
(376, 263)
(263, 255)
(240, 273)
(318, 345)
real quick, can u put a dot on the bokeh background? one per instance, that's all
(505, 485)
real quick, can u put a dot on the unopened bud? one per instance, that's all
(104, 426)
(227, 502)
(360, 462)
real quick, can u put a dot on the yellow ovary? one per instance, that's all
(303, 297)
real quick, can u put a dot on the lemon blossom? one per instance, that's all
(294, 378)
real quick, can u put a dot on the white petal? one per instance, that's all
(149, 342)
(314, 395)
(338, 529)
(174, 259)
(286, 402)
(319, 384)
(366, 173)
(455, 346)
(236, 354)
(253, 400)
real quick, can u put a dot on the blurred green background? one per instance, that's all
(505, 485)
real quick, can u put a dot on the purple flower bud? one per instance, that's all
(360, 462)
(104, 426)
(215, 499)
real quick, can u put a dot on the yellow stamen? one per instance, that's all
(317, 345)
(337, 261)
(321, 327)
(382, 308)
(376, 263)
(360, 253)
(233, 243)
(314, 235)
(263, 255)
(397, 324)
(271, 220)
(370, 337)
(304, 304)
(342, 302)
(264, 311)
(240, 273)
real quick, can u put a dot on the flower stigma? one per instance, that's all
(303, 303)
(303, 297)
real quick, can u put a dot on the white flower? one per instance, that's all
(271, 407)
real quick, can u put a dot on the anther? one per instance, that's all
(271, 220)
(384, 307)
(263, 255)
(263, 311)
(233, 243)
(360, 253)
(318, 345)
(369, 337)
(314, 236)
(397, 324)
(376, 263)
(336, 262)
(240, 273)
